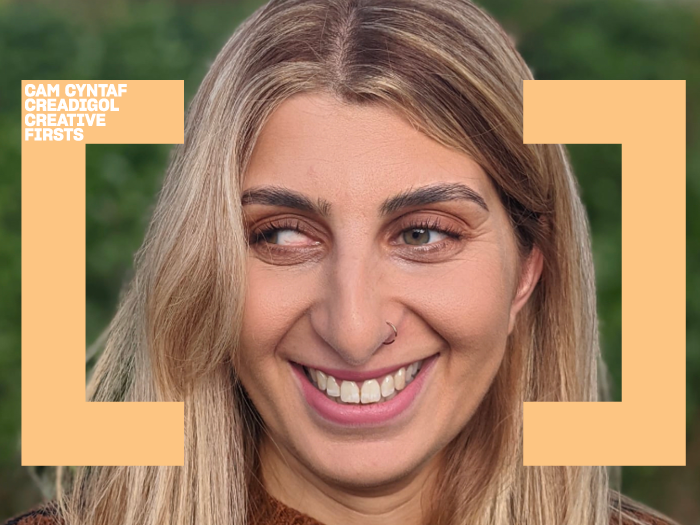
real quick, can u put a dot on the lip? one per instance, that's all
(372, 414)
(351, 375)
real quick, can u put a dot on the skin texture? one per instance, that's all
(326, 300)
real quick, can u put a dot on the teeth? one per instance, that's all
(372, 391)
(410, 372)
(349, 392)
(321, 380)
(400, 379)
(332, 388)
(388, 386)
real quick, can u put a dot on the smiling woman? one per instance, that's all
(355, 275)
(366, 220)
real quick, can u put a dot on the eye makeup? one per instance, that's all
(266, 235)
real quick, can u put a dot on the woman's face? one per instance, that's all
(371, 197)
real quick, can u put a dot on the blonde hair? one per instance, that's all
(453, 73)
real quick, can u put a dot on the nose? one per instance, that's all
(353, 315)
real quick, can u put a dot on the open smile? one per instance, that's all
(375, 400)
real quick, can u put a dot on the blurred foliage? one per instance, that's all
(128, 39)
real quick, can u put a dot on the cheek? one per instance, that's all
(273, 301)
(273, 305)
(468, 305)
(471, 301)
(261, 324)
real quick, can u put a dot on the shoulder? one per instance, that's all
(627, 511)
(43, 515)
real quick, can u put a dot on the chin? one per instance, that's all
(359, 464)
(370, 458)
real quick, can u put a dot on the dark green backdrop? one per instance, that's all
(129, 39)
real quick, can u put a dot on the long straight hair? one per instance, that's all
(449, 69)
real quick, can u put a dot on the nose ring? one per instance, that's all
(395, 334)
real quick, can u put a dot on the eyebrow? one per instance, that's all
(441, 192)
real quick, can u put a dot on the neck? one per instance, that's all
(397, 502)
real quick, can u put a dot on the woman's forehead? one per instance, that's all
(316, 144)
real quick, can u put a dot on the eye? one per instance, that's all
(276, 231)
(422, 236)
(418, 233)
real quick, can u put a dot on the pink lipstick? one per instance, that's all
(373, 414)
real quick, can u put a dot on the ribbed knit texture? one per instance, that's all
(266, 510)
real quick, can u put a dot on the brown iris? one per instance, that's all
(416, 234)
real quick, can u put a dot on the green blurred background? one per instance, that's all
(130, 39)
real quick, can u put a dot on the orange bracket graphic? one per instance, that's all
(647, 428)
(59, 427)
(647, 117)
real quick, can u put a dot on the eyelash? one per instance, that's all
(422, 224)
